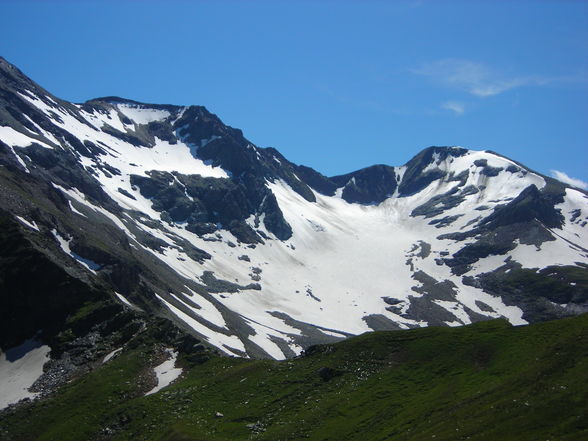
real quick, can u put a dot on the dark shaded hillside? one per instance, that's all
(35, 293)
(487, 381)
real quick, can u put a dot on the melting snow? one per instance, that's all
(142, 115)
(220, 340)
(166, 373)
(124, 300)
(351, 255)
(74, 210)
(17, 139)
(111, 355)
(30, 224)
(20, 367)
(64, 244)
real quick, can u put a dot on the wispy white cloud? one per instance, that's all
(563, 177)
(475, 78)
(454, 106)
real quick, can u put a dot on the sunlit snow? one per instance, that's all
(342, 259)
(166, 373)
(20, 367)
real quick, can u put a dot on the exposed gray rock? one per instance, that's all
(379, 322)
(370, 185)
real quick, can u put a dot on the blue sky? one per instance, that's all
(336, 85)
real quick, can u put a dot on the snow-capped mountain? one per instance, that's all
(169, 211)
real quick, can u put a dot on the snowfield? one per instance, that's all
(343, 259)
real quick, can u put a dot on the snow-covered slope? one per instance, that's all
(183, 217)
(20, 367)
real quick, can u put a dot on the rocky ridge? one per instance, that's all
(164, 211)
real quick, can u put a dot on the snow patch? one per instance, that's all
(64, 244)
(166, 372)
(20, 367)
(30, 224)
(74, 210)
(17, 139)
(142, 115)
(220, 340)
(111, 355)
(124, 300)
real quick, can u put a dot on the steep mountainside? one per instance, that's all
(485, 382)
(165, 211)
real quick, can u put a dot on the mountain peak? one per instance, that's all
(116, 100)
(186, 219)
(5, 65)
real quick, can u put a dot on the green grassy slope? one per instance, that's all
(487, 381)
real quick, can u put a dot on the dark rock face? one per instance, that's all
(415, 179)
(445, 221)
(60, 307)
(443, 202)
(370, 185)
(379, 322)
(525, 219)
(552, 291)
(425, 308)
(29, 304)
(317, 181)
(226, 147)
(529, 205)
(274, 219)
(373, 185)
(497, 241)
(244, 232)
(486, 169)
(64, 169)
(205, 202)
(201, 228)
